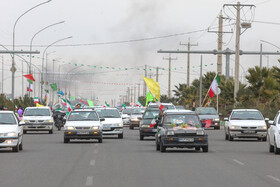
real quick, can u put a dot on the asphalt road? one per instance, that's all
(47, 162)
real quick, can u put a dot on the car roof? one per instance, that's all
(244, 110)
(178, 111)
(83, 109)
(161, 103)
(44, 107)
(106, 108)
(6, 111)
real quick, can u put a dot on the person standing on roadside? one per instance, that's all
(20, 112)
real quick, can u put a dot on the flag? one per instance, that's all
(123, 105)
(36, 100)
(153, 123)
(29, 85)
(38, 105)
(149, 98)
(72, 98)
(60, 93)
(29, 77)
(214, 86)
(153, 87)
(106, 104)
(160, 106)
(63, 102)
(90, 103)
(67, 104)
(53, 86)
(138, 103)
(208, 123)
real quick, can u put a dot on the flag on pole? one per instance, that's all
(90, 103)
(138, 103)
(67, 104)
(149, 98)
(29, 85)
(160, 106)
(106, 104)
(29, 77)
(214, 86)
(208, 123)
(60, 93)
(53, 86)
(72, 98)
(153, 123)
(36, 100)
(123, 105)
(153, 87)
(38, 105)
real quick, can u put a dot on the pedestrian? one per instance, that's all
(2, 107)
(20, 111)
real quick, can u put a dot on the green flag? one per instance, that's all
(107, 104)
(53, 86)
(90, 103)
(123, 105)
(72, 98)
(149, 98)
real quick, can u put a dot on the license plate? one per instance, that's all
(154, 130)
(249, 132)
(82, 133)
(186, 140)
(106, 128)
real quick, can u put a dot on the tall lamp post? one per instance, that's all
(43, 61)
(13, 57)
(32, 43)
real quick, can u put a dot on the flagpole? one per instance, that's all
(206, 95)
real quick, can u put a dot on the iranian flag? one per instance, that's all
(153, 123)
(214, 86)
(138, 103)
(29, 85)
(160, 106)
(67, 104)
(106, 104)
(36, 100)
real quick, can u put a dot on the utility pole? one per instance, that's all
(2, 74)
(188, 62)
(200, 82)
(53, 82)
(134, 94)
(157, 69)
(261, 56)
(145, 86)
(169, 75)
(128, 94)
(22, 85)
(138, 90)
(131, 95)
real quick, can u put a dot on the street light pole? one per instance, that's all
(13, 56)
(43, 62)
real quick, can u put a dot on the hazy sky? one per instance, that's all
(96, 22)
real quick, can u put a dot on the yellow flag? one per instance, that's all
(38, 105)
(153, 86)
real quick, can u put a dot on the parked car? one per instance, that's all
(37, 119)
(245, 123)
(181, 129)
(135, 117)
(146, 128)
(112, 124)
(209, 113)
(83, 124)
(126, 115)
(274, 134)
(11, 132)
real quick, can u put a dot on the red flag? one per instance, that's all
(208, 123)
(153, 123)
(30, 77)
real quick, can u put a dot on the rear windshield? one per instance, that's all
(246, 115)
(206, 111)
(137, 111)
(150, 114)
(169, 106)
(127, 110)
(7, 119)
(104, 113)
(36, 112)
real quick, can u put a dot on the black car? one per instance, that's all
(181, 129)
(147, 125)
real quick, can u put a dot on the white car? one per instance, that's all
(113, 124)
(37, 119)
(245, 123)
(126, 115)
(83, 124)
(11, 133)
(274, 134)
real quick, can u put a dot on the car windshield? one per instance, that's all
(108, 113)
(137, 111)
(181, 120)
(36, 112)
(180, 107)
(166, 106)
(7, 119)
(83, 116)
(150, 114)
(127, 111)
(206, 111)
(246, 115)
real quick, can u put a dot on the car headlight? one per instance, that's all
(134, 119)
(234, 127)
(10, 134)
(216, 119)
(170, 133)
(200, 132)
(69, 128)
(120, 125)
(95, 127)
(145, 126)
(24, 121)
(263, 127)
(48, 121)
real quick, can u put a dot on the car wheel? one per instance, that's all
(271, 148)
(59, 128)
(16, 148)
(230, 137)
(141, 137)
(197, 148)
(157, 147)
(264, 139)
(21, 146)
(120, 136)
(205, 148)
(51, 131)
(276, 149)
(24, 132)
(217, 128)
(100, 140)
(66, 140)
(162, 147)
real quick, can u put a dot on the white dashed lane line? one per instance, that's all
(274, 178)
(238, 162)
(92, 162)
(89, 181)
(95, 151)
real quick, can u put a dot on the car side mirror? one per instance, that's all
(225, 119)
(102, 119)
(271, 122)
(266, 119)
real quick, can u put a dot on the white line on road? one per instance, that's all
(95, 151)
(274, 178)
(96, 144)
(92, 162)
(238, 162)
(89, 181)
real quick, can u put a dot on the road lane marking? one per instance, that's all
(92, 162)
(274, 178)
(95, 151)
(238, 162)
(89, 181)
(96, 144)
